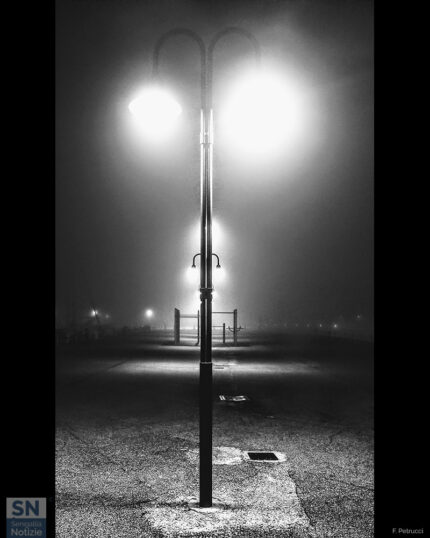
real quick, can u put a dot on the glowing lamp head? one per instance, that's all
(149, 313)
(264, 114)
(155, 113)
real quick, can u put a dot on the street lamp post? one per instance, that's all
(206, 286)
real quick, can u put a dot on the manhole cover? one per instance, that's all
(240, 398)
(260, 455)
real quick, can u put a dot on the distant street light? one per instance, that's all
(149, 313)
(213, 254)
(261, 117)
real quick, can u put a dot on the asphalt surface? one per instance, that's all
(127, 438)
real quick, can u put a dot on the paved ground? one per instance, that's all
(127, 438)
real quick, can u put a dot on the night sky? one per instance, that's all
(294, 233)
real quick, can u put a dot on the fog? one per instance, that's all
(294, 230)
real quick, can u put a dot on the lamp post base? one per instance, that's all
(205, 435)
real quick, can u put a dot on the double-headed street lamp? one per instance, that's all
(150, 104)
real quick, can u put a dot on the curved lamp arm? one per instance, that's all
(230, 30)
(217, 257)
(197, 39)
(198, 254)
(194, 259)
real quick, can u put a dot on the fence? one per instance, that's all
(177, 325)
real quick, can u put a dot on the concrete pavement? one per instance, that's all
(127, 436)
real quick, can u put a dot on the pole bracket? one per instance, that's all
(206, 293)
(206, 138)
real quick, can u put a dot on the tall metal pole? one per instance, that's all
(205, 389)
(206, 288)
(205, 384)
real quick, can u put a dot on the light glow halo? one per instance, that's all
(155, 112)
(264, 114)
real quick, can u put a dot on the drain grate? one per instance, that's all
(240, 398)
(262, 456)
